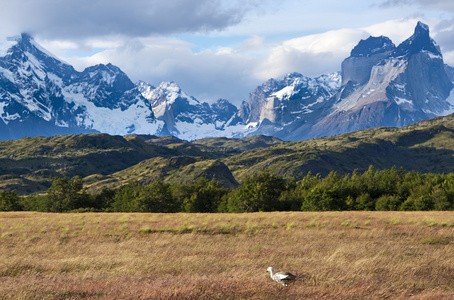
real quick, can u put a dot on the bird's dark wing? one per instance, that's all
(285, 276)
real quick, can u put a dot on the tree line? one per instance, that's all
(382, 190)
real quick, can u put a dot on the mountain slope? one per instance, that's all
(186, 117)
(41, 95)
(30, 164)
(380, 84)
(278, 106)
(426, 146)
(393, 86)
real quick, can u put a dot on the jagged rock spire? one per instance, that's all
(419, 41)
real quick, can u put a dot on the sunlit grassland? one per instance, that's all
(337, 255)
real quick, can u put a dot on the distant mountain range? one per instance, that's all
(380, 84)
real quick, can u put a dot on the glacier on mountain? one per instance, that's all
(37, 88)
(380, 84)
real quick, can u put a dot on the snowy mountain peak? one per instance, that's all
(7, 44)
(108, 75)
(418, 42)
(331, 82)
(26, 38)
(42, 95)
(167, 92)
(145, 89)
(372, 46)
(170, 86)
(422, 28)
(26, 43)
(381, 85)
(24, 51)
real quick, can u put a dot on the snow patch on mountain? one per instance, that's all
(7, 44)
(432, 55)
(42, 49)
(450, 101)
(5, 116)
(286, 92)
(7, 74)
(169, 92)
(403, 101)
(198, 130)
(331, 81)
(296, 82)
(135, 119)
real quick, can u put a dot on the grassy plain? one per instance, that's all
(336, 255)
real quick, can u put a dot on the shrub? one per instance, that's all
(388, 202)
(66, 194)
(258, 193)
(9, 201)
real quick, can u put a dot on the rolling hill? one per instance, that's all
(29, 165)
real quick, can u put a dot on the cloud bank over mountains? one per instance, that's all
(218, 48)
(136, 18)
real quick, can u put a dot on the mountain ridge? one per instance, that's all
(380, 84)
(397, 87)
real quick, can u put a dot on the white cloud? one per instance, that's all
(311, 55)
(448, 57)
(233, 72)
(145, 38)
(252, 44)
(207, 75)
(443, 5)
(400, 29)
(84, 19)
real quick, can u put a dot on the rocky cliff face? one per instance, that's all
(381, 85)
(450, 72)
(357, 68)
(390, 87)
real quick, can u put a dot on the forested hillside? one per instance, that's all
(115, 165)
(372, 190)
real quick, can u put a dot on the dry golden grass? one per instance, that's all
(336, 255)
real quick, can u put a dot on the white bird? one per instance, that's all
(281, 277)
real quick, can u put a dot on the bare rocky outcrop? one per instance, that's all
(389, 86)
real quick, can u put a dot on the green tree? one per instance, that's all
(317, 200)
(440, 199)
(388, 203)
(330, 193)
(65, 194)
(103, 200)
(420, 198)
(35, 203)
(290, 199)
(257, 193)
(124, 198)
(365, 202)
(9, 201)
(204, 196)
(156, 197)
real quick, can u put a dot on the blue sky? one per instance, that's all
(220, 48)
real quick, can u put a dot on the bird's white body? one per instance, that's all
(283, 278)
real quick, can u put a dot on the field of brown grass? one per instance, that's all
(336, 255)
